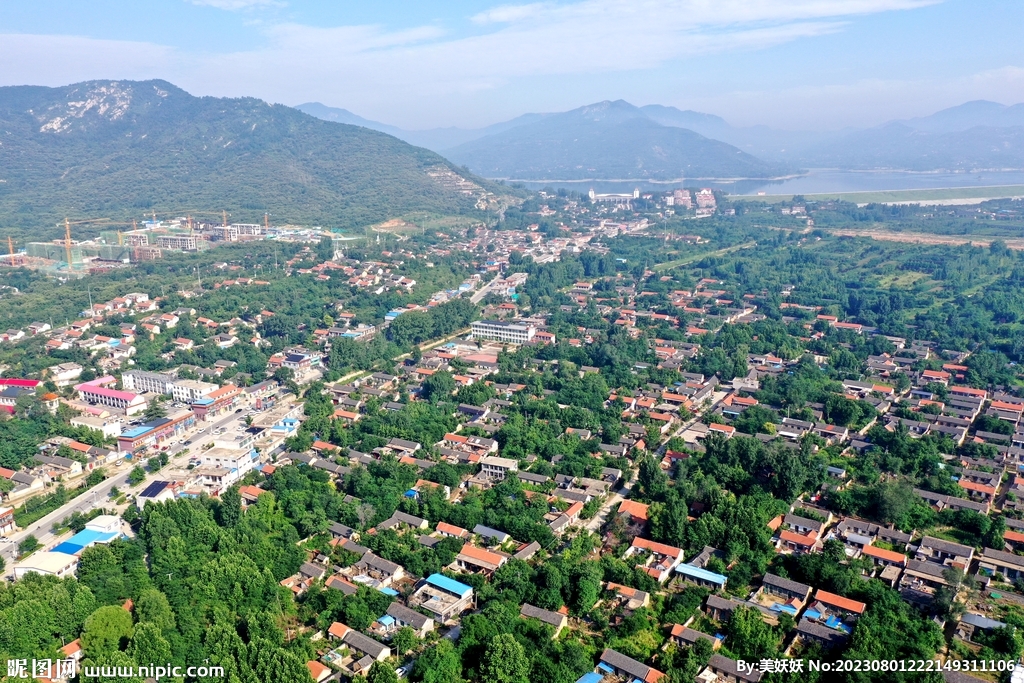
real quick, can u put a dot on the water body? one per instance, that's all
(821, 181)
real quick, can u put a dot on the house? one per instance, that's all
(683, 636)
(785, 588)
(155, 492)
(404, 616)
(402, 520)
(724, 670)
(7, 524)
(630, 598)
(936, 550)
(473, 559)
(1009, 565)
(442, 597)
(452, 531)
(557, 620)
(811, 631)
(495, 468)
(488, 533)
(618, 664)
(380, 572)
(660, 559)
(637, 511)
(318, 671)
(837, 603)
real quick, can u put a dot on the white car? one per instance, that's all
(402, 671)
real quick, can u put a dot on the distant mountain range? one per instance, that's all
(615, 140)
(118, 148)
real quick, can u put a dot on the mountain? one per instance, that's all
(437, 139)
(970, 115)
(118, 148)
(605, 141)
(898, 146)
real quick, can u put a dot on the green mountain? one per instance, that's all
(606, 141)
(118, 149)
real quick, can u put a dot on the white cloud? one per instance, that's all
(235, 5)
(427, 73)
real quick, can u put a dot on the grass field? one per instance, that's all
(949, 195)
(668, 265)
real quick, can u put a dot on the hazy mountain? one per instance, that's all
(970, 115)
(901, 147)
(607, 141)
(437, 139)
(115, 148)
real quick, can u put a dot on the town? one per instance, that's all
(591, 430)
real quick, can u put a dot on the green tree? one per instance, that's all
(155, 410)
(152, 607)
(106, 631)
(438, 387)
(439, 664)
(505, 661)
(403, 640)
(29, 545)
(136, 476)
(382, 673)
(148, 645)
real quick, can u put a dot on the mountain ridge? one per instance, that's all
(117, 148)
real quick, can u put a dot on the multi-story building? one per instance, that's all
(499, 330)
(442, 597)
(190, 390)
(7, 524)
(97, 393)
(493, 467)
(153, 382)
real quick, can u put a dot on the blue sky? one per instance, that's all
(820, 64)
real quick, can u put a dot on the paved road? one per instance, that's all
(98, 496)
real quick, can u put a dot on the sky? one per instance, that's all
(793, 64)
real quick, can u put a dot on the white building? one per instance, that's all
(493, 467)
(499, 330)
(142, 381)
(191, 390)
(53, 564)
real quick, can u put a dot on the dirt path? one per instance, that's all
(925, 238)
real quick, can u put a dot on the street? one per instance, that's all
(98, 496)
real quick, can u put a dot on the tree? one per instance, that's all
(29, 545)
(155, 410)
(152, 607)
(403, 640)
(149, 645)
(136, 476)
(105, 631)
(381, 673)
(95, 477)
(438, 387)
(505, 661)
(440, 664)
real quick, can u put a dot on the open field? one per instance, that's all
(668, 265)
(923, 238)
(949, 196)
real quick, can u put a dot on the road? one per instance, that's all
(98, 496)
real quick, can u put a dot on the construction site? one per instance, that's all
(121, 244)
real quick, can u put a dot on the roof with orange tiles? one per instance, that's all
(1013, 536)
(883, 554)
(659, 548)
(338, 630)
(634, 508)
(451, 530)
(975, 486)
(482, 555)
(840, 602)
(807, 539)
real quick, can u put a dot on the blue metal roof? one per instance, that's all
(592, 677)
(451, 585)
(702, 574)
(202, 402)
(136, 431)
(68, 548)
(388, 591)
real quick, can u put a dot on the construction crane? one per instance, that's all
(67, 233)
(10, 247)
